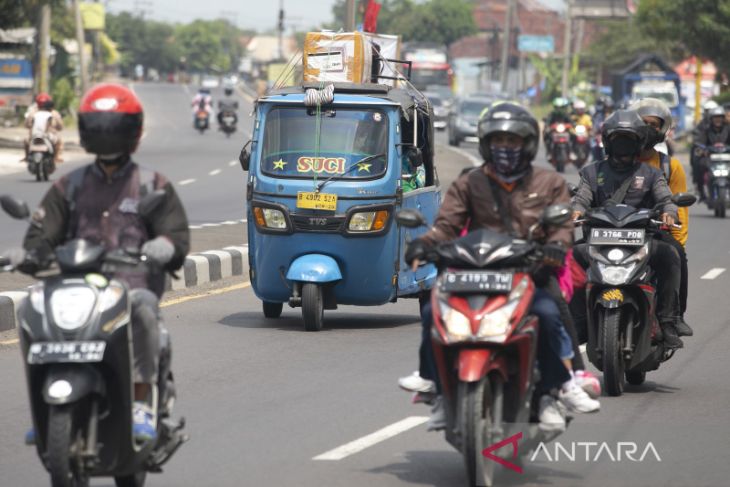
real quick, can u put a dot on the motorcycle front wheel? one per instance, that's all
(63, 436)
(476, 421)
(134, 480)
(613, 359)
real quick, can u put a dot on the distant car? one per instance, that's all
(447, 96)
(440, 110)
(210, 82)
(230, 81)
(463, 119)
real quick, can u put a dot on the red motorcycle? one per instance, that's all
(485, 341)
(560, 135)
(582, 145)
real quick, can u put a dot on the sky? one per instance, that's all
(254, 14)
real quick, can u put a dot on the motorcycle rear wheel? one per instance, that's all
(613, 360)
(476, 420)
(133, 480)
(38, 173)
(61, 434)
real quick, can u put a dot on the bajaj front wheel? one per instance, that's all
(312, 307)
(613, 359)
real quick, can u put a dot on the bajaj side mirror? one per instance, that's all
(415, 156)
(245, 156)
(556, 215)
(679, 199)
(148, 205)
(15, 207)
(410, 218)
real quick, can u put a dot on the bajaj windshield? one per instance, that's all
(310, 144)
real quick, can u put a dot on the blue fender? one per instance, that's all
(314, 268)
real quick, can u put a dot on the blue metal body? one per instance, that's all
(358, 269)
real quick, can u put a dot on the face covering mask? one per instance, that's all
(653, 139)
(506, 163)
(623, 152)
(116, 159)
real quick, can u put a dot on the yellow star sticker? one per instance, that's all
(280, 164)
(364, 167)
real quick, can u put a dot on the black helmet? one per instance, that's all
(653, 107)
(608, 103)
(624, 134)
(228, 91)
(512, 118)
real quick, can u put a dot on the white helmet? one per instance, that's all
(709, 105)
(579, 105)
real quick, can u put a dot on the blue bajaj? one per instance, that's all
(327, 173)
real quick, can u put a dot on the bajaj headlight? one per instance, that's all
(72, 306)
(270, 218)
(615, 275)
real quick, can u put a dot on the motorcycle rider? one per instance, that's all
(658, 118)
(98, 202)
(580, 116)
(559, 114)
(42, 120)
(227, 105)
(625, 135)
(202, 101)
(507, 194)
(716, 131)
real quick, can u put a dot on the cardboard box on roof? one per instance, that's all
(337, 57)
(389, 46)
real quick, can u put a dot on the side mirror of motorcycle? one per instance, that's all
(149, 204)
(556, 215)
(572, 189)
(684, 199)
(15, 207)
(415, 156)
(410, 218)
(245, 156)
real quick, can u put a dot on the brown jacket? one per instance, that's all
(469, 202)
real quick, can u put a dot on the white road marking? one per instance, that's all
(713, 273)
(360, 444)
(214, 172)
(232, 163)
(185, 182)
(194, 227)
(218, 224)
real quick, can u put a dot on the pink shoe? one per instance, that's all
(589, 383)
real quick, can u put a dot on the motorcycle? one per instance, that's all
(201, 121)
(717, 178)
(485, 340)
(581, 145)
(560, 137)
(228, 123)
(624, 337)
(40, 157)
(76, 339)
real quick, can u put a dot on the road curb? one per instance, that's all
(201, 268)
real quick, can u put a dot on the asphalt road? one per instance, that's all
(263, 398)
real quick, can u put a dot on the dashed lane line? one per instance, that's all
(214, 172)
(185, 182)
(218, 224)
(713, 273)
(232, 163)
(379, 436)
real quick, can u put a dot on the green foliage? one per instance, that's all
(702, 26)
(441, 21)
(208, 45)
(723, 98)
(64, 98)
(142, 42)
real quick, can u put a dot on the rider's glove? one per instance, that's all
(554, 254)
(159, 249)
(416, 251)
(15, 256)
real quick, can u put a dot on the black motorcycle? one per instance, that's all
(76, 341)
(624, 337)
(228, 122)
(40, 157)
(717, 178)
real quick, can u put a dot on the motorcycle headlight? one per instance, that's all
(596, 255)
(615, 275)
(110, 297)
(721, 170)
(457, 324)
(72, 306)
(494, 326)
(638, 255)
(270, 218)
(580, 130)
(368, 221)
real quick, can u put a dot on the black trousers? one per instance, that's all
(667, 266)
(683, 278)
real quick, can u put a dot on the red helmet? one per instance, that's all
(44, 100)
(110, 120)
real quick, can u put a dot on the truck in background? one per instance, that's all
(430, 65)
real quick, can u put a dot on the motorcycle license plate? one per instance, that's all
(616, 236)
(720, 157)
(316, 201)
(66, 352)
(476, 281)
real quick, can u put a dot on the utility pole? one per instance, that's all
(350, 19)
(44, 50)
(566, 46)
(280, 28)
(83, 75)
(506, 35)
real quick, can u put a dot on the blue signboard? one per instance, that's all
(527, 43)
(16, 73)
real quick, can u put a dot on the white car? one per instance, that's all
(210, 82)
